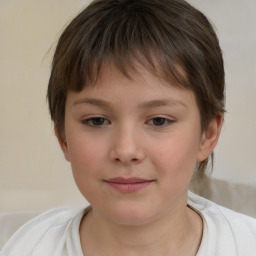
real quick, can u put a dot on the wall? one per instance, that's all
(33, 172)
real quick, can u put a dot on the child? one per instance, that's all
(136, 94)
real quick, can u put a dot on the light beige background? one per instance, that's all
(33, 172)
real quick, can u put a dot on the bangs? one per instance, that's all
(125, 39)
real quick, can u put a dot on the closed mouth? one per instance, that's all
(128, 185)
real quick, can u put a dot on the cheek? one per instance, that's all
(86, 159)
(176, 157)
(175, 165)
(85, 155)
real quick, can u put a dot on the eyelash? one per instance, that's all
(103, 121)
(165, 121)
(89, 121)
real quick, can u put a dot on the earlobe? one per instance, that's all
(210, 138)
(62, 143)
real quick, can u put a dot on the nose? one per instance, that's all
(127, 146)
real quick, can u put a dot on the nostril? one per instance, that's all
(134, 160)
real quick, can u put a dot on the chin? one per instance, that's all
(130, 215)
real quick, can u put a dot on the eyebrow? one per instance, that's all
(146, 104)
(93, 101)
(162, 102)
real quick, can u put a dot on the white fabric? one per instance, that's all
(11, 221)
(56, 232)
(226, 233)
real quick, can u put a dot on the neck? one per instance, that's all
(172, 234)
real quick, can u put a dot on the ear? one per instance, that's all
(210, 138)
(62, 142)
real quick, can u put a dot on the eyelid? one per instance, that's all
(168, 121)
(87, 120)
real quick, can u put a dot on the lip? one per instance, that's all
(128, 185)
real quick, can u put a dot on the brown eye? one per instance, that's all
(98, 121)
(159, 121)
(95, 121)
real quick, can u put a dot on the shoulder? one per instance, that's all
(49, 228)
(226, 227)
(209, 208)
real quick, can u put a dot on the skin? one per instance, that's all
(145, 128)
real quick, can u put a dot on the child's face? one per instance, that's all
(133, 145)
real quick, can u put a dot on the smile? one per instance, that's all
(130, 185)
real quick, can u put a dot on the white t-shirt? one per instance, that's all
(56, 232)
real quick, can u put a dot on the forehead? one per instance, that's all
(150, 73)
(142, 88)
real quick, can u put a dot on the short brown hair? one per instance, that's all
(165, 36)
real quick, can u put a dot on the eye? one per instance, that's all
(96, 121)
(160, 121)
